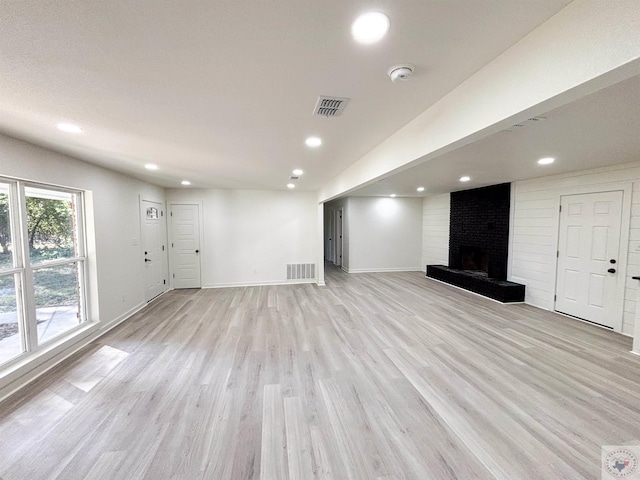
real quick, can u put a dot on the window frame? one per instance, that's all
(24, 271)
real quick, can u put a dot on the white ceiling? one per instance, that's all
(598, 130)
(221, 92)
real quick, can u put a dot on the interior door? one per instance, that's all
(153, 244)
(338, 235)
(588, 284)
(185, 238)
(330, 243)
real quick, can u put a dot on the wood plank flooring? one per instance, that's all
(375, 376)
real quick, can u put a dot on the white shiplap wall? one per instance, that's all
(435, 230)
(534, 231)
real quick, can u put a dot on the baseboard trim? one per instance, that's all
(31, 368)
(383, 270)
(260, 284)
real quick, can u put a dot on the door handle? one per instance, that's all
(147, 260)
(612, 270)
(197, 251)
(612, 260)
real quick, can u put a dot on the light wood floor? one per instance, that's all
(376, 376)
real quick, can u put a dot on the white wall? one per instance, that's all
(115, 252)
(120, 269)
(251, 235)
(435, 230)
(385, 234)
(534, 231)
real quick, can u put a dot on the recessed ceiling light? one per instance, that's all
(420, 189)
(69, 128)
(393, 195)
(546, 161)
(186, 182)
(465, 178)
(313, 142)
(151, 166)
(370, 27)
(297, 172)
(291, 185)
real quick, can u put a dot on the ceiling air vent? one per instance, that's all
(525, 123)
(294, 178)
(330, 106)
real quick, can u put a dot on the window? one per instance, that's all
(42, 266)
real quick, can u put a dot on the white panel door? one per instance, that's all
(153, 233)
(185, 238)
(332, 216)
(588, 284)
(339, 244)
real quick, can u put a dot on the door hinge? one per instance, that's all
(555, 297)
(560, 209)
(171, 214)
(171, 244)
(164, 282)
(163, 248)
(557, 253)
(161, 213)
(174, 275)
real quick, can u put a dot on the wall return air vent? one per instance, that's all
(299, 271)
(330, 106)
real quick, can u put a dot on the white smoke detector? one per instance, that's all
(400, 73)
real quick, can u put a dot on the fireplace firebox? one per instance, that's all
(474, 259)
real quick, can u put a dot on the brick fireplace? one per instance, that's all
(479, 244)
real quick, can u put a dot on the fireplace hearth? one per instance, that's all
(500, 290)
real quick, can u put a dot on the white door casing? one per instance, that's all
(185, 245)
(589, 286)
(152, 228)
